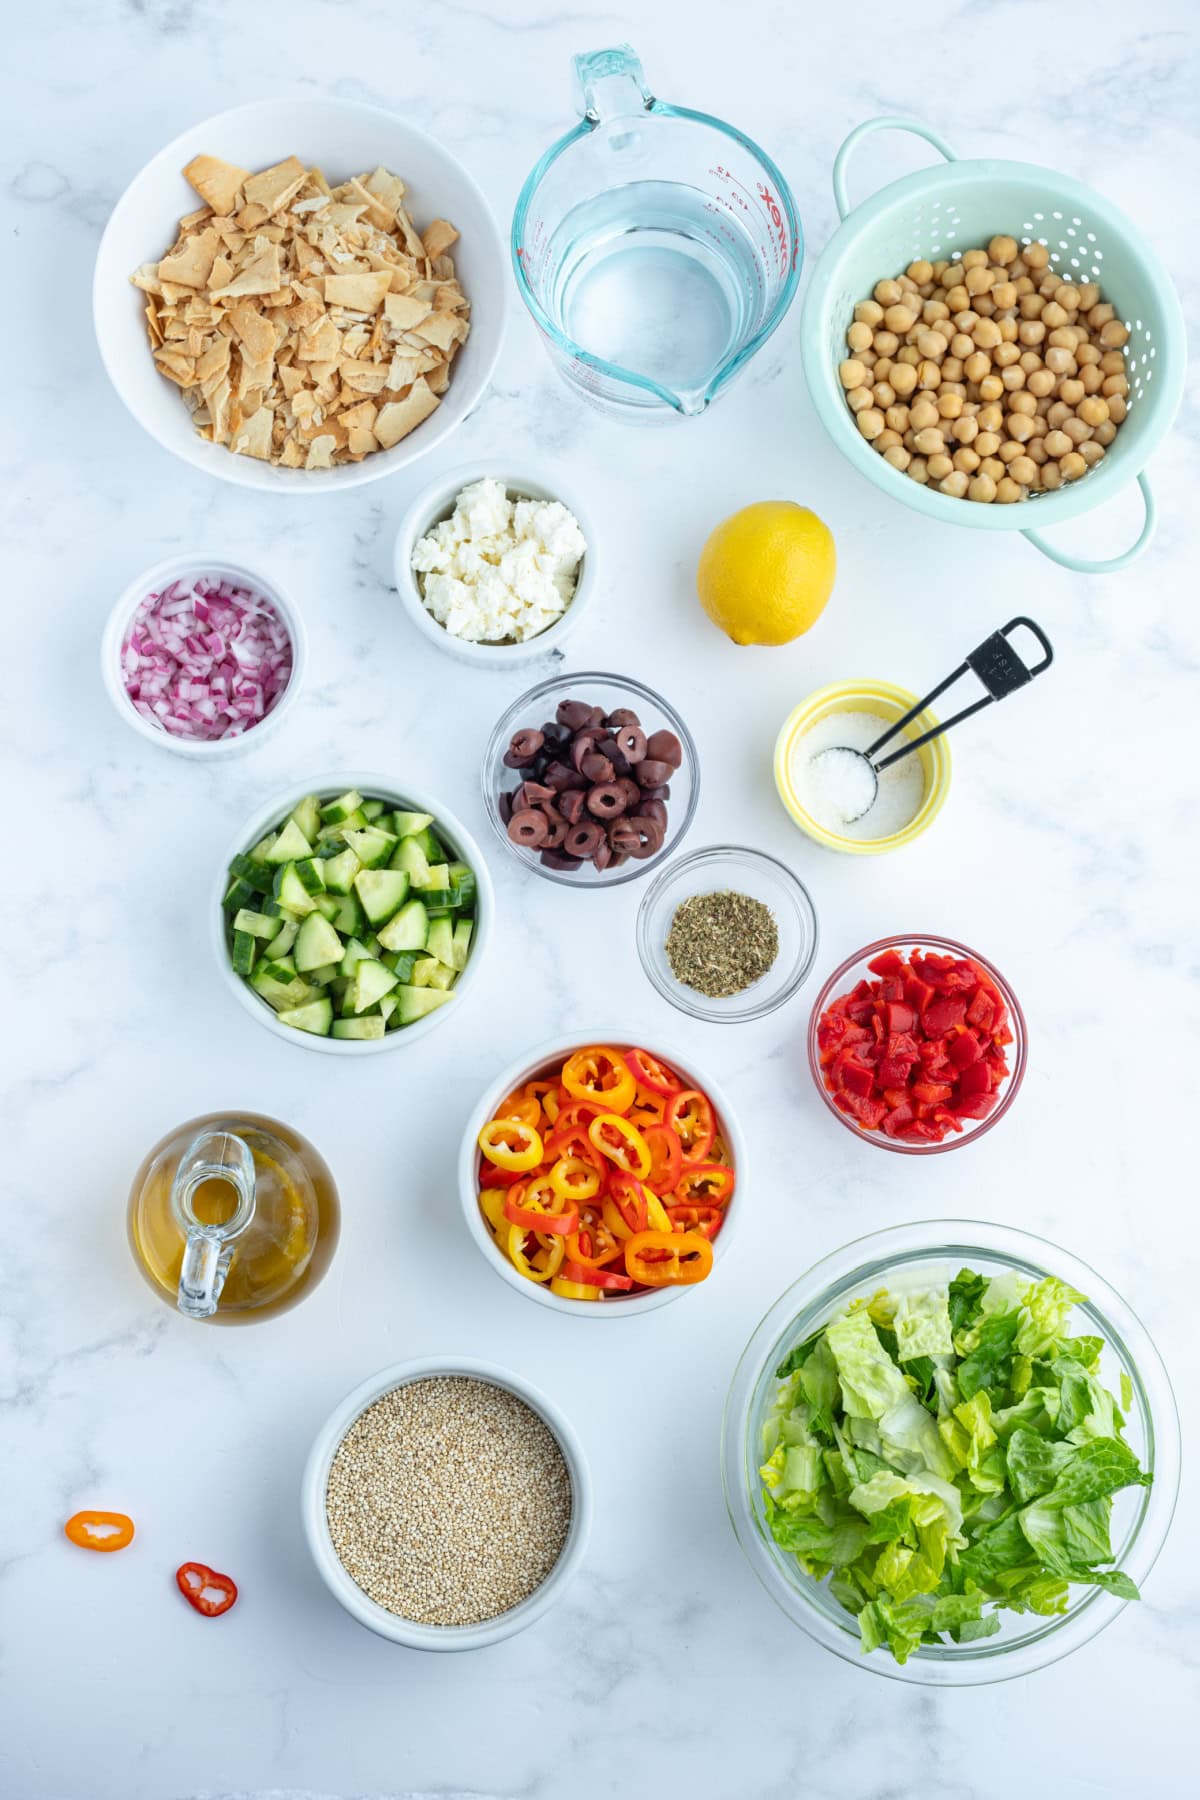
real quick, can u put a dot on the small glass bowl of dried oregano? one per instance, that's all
(727, 933)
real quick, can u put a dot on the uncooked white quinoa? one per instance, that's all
(448, 1501)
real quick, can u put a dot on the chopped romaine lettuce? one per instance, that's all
(946, 1453)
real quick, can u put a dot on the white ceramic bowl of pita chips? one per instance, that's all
(342, 138)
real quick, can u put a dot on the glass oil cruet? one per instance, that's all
(233, 1218)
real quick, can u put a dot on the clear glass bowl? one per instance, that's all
(855, 969)
(721, 868)
(610, 692)
(940, 1247)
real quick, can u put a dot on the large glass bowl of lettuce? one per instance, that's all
(951, 1453)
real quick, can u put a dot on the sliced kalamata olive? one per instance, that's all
(573, 714)
(602, 855)
(652, 773)
(651, 836)
(617, 858)
(526, 744)
(558, 776)
(597, 717)
(554, 733)
(536, 791)
(657, 793)
(608, 801)
(631, 791)
(512, 760)
(582, 745)
(622, 716)
(557, 859)
(621, 764)
(572, 803)
(528, 828)
(504, 806)
(557, 828)
(596, 767)
(654, 809)
(582, 839)
(664, 746)
(631, 742)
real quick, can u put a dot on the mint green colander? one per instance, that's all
(943, 211)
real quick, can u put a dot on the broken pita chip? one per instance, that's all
(219, 183)
(192, 263)
(441, 329)
(254, 331)
(399, 417)
(259, 276)
(403, 312)
(320, 453)
(438, 237)
(254, 436)
(361, 293)
(274, 187)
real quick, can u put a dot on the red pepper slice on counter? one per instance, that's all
(704, 1183)
(690, 1116)
(210, 1593)
(99, 1530)
(651, 1074)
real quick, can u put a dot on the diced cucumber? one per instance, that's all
(429, 844)
(289, 845)
(440, 942)
(311, 871)
(336, 812)
(413, 1003)
(463, 881)
(353, 954)
(372, 810)
(256, 923)
(437, 876)
(387, 1006)
(382, 892)
(238, 894)
(372, 1026)
(307, 815)
(291, 892)
(317, 944)
(462, 943)
(409, 930)
(336, 834)
(326, 976)
(423, 970)
(371, 982)
(284, 938)
(281, 993)
(328, 905)
(349, 917)
(400, 962)
(257, 875)
(315, 1016)
(437, 899)
(340, 871)
(409, 856)
(245, 946)
(443, 977)
(280, 968)
(371, 845)
(261, 849)
(407, 824)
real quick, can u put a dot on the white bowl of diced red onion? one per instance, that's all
(203, 656)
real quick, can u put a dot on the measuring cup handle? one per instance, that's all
(1080, 564)
(864, 130)
(611, 83)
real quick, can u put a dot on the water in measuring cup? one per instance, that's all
(648, 278)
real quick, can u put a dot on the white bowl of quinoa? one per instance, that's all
(446, 1503)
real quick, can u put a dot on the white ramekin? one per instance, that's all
(347, 1591)
(448, 826)
(436, 502)
(527, 1068)
(179, 568)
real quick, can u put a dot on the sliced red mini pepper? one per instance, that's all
(649, 1073)
(587, 1275)
(99, 1530)
(628, 1196)
(202, 1587)
(690, 1116)
(622, 1143)
(530, 1211)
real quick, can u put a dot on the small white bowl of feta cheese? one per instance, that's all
(495, 569)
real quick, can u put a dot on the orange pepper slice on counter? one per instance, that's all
(99, 1530)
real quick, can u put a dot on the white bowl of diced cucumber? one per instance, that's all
(351, 916)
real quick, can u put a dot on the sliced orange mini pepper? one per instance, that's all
(511, 1144)
(99, 1530)
(668, 1258)
(536, 1208)
(704, 1183)
(599, 1073)
(690, 1115)
(622, 1143)
(520, 1106)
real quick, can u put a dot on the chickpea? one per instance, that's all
(939, 466)
(965, 430)
(858, 399)
(991, 387)
(952, 370)
(1088, 355)
(1072, 467)
(906, 284)
(1064, 337)
(1052, 314)
(924, 413)
(1113, 335)
(991, 416)
(884, 394)
(1030, 331)
(1067, 296)
(883, 368)
(1004, 295)
(1104, 434)
(986, 334)
(851, 373)
(1019, 427)
(961, 345)
(987, 443)
(1077, 430)
(907, 353)
(1051, 477)
(1057, 413)
(899, 318)
(859, 336)
(1113, 362)
(1022, 284)
(1089, 295)
(1100, 315)
(1071, 391)
(951, 276)
(1004, 356)
(957, 298)
(966, 460)
(1002, 249)
(949, 405)
(955, 484)
(1061, 361)
(897, 418)
(887, 440)
(918, 470)
(966, 321)
(870, 422)
(931, 343)
(868, 312)
(1035, 256)
(978, 278)
(928, 375)
(1036, 451)
(903, 378)
(1022, 402)
(1057, 443)
(887, 292)
(982, 488)
(1091, 452)
(886, 343)
(933, 310)
(977, 366)
(1040, 427)
(1031, 306)
(1013, 378)
(1008, 330)
(920, 272)
(1115, 387)
(929, 442)
(1041, 383)
(991, 465)
(898, 456)
(1091, 378)
(984, 305)
(1024, 470)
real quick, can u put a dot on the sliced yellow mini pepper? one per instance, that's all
(511, 1144)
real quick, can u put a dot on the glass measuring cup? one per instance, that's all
(657, 248)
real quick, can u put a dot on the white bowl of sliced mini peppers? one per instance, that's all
(603, 1175)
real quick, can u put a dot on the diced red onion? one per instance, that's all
(207, 660)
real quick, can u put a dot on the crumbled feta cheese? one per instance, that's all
(498, 570)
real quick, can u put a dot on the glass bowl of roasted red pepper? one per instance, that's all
(917, 1044)
(602, 1176)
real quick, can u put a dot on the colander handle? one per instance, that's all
(864, 130)
(1108, 566)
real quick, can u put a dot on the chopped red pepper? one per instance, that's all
(210, 1593)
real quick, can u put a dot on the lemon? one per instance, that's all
(766, 572)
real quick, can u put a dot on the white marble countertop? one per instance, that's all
(1067, 852)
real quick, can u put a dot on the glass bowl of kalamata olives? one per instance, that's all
(591, 779)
